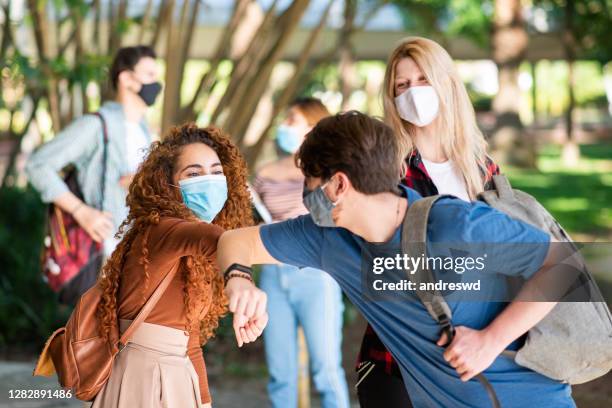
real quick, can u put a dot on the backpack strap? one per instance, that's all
(503, 187)
(104, 158)
(414, 244)
(146, 309)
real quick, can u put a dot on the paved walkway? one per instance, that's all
(249, 393)
(232, 392)
(18, 376)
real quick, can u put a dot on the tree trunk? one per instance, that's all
(208, 79)
(348, 70)
(41, 33)
(571, 153)
(246, 64)
(173, 77)
(162, 20)
(534, 92)
(97, 28)
(119, 16)
(333, 51)
(176, 59)
(146, 21)
(6, 30)
(79, 52)
(290, 89)
(509, 43)
(241, 114)
(188, 26)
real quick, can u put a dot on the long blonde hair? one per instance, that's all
(461, 139)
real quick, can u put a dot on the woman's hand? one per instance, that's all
(471, 352)
(254, 328)
(248, 303)
(98, 224)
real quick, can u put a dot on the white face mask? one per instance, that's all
(418, 105)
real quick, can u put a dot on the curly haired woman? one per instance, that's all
(191, 187)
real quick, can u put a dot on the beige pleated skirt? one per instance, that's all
(153, 370)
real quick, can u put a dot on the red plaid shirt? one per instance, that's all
(372, 349)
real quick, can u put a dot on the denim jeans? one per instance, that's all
(312, 299)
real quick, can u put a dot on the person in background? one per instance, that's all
(306, 297)
(134, 77)
(427, 106)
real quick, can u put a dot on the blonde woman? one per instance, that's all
(444, 152)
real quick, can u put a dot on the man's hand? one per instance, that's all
(248, 303)
(471, 352)
(98, 224)
(126, 180)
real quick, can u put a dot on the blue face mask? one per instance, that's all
(205, 195)
(288, 138)
(319, 206)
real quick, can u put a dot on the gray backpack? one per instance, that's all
(573, 343)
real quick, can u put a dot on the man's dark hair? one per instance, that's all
(126, 59)
(363, 148)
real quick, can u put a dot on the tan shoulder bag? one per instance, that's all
(81, 357)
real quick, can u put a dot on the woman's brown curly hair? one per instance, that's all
(151, 197)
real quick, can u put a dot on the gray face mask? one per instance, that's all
(319, 206)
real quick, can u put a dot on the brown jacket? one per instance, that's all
(168, 242)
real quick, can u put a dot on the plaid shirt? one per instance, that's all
(417, 178)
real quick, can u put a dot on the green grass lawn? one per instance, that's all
(580, 198)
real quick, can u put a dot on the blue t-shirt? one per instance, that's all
(405, 327)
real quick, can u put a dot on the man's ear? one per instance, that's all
(125, 80)
(343, 184)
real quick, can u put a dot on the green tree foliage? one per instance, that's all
(591, 25)
(29, 310)
(448, 18)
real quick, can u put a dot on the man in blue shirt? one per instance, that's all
(352, 165)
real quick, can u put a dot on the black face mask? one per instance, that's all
(148, 92)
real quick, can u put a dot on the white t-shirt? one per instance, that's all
(136, 142)
(447, 179)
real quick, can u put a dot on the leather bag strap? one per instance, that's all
(146, 309)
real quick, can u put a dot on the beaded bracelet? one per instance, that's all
(237, 274)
